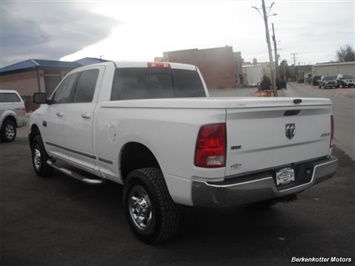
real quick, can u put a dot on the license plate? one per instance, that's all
(285, 176)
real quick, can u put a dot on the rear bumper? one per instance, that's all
(261, 186)
(22, 123)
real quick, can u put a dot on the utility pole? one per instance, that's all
(265, 17)
(276, 59)
(294, 58)
(294, 64)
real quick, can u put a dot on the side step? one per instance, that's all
(89, 181)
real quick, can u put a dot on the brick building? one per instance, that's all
(34, 75)
(217, 65)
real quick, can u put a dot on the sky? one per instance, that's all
(307, 31)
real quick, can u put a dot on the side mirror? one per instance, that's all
(40, 97)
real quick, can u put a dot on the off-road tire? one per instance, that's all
(151, 213)
(40, 157)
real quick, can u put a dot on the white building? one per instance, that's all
(333, 69)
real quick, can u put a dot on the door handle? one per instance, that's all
(86, 116)
(60, 114)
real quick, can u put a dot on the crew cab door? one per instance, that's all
(54, 114)
(78, 123)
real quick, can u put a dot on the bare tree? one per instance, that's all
(346, 54)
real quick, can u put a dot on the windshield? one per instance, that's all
(154, 83)
(328, 78)
(348, 77)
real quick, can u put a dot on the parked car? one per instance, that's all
(345, 80)
(315, 80)
(153, 128)
(12, 114)
(328, 82)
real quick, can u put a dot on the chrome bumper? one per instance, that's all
(261, 186)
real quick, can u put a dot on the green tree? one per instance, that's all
(345, 54)
(284, 70)
(265, 83)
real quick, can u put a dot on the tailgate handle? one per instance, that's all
(297, 101)
(292, 112)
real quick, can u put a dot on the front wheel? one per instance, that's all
(151, 213)
(40, 157)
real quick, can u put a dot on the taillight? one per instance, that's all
(331, 131)
(211, 146)
(159, 65)
(24, 110)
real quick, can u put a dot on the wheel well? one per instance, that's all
(34, 132)
(11, 118)
(136, 156)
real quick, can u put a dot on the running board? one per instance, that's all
(89, 181)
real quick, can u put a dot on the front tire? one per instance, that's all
(40, 157)
(151, 213)
(8, 131)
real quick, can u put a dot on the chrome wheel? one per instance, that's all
(140, 207)
(9, 131)
(40, 158)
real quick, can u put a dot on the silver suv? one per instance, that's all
(328, 81)
(12, 114)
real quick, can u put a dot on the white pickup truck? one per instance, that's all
(153, 128)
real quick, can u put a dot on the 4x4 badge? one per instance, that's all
(290, 130)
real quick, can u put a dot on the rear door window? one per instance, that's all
(9, 98)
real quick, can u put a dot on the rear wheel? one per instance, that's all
(40, 157)
(151, 213)
(8, 131)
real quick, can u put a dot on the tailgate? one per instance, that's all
(262, 135)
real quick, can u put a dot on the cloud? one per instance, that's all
(314, 30)
(153, 27)
(49, 30)
(141, 30)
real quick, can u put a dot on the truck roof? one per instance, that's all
(141, 64)
(125, 64)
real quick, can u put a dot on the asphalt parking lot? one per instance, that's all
(61, 221)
